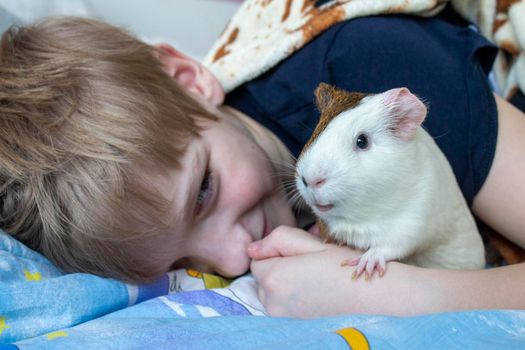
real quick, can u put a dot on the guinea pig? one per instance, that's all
(378, 182)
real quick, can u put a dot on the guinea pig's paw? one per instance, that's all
(367, 263)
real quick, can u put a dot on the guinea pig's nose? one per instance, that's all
(315, 183)
(304, 181)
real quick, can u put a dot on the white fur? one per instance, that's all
(398, 198)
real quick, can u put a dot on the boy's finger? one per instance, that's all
(285, 241)
(314, 230)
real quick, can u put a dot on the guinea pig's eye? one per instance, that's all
(362, 142)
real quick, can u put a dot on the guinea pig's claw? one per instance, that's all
(367, 264)
(350, 262)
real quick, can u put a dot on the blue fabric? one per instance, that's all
(152, 290)
(41, 308)
(445, 64)
(154, 325)
(36, 297)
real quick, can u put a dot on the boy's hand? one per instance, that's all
(300, 276)
(285, 241)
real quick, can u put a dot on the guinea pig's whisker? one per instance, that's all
(440, 136)
(297, 201)
(285, 163)
(289, 182)
(290, 189)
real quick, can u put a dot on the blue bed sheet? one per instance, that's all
(43, 308)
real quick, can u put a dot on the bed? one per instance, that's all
(43, 308)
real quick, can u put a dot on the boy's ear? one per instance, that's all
(191, 74)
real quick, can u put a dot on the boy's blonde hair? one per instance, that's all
(84, 106)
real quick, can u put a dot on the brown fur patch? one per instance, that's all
(331, 102)
(324, 233)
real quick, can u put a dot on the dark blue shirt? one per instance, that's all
(444, 63)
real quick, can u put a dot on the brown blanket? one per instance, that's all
(264, 32)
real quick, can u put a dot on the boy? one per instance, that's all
(110, 167)
(95, 135)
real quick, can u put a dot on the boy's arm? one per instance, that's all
(300, 276)
(501, 201)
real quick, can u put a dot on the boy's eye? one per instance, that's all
(205, 192)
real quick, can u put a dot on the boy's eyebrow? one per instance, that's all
(189, 181)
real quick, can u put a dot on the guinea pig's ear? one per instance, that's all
(324, 94)
(406, 111)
